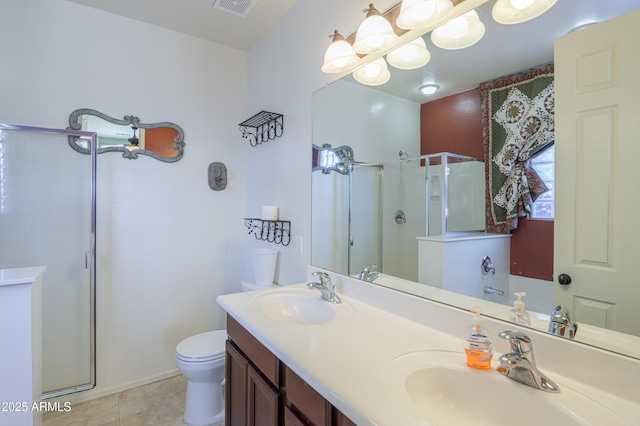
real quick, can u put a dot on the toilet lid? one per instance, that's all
(204, 345)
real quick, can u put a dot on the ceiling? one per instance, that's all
(201, 19)
(504, 49)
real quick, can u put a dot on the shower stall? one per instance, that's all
(403, 216)
(377, 213)
(47, 218)
(346, 217)
(369, 213)
(456, 197)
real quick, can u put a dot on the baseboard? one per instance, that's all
(97, 392)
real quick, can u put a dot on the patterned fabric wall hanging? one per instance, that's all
(517, 123)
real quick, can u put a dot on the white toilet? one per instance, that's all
(201, 359)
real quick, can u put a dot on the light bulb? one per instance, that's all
(375, 41)
(339, 56)
(373, 74)
(372, 70)
(521, 4)
(408, 51)
(410, 56)
(459, 33)
(417, 14)
(374, 33)
(340, 62)
(425, 10)
(516, 11)
(456, 28)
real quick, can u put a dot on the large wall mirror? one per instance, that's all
(163, 141)
(385, 195)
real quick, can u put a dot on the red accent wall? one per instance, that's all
(532, 249)
(453, 124)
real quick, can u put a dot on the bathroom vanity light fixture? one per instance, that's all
(459, 33)
(416, 14)
(517, 11)
(410, 56)
(429, 89)
(373, 74)
(339, 56)
(374, 34)
(379, 33)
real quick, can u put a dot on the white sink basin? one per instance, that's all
(440, 389)
(300, 306)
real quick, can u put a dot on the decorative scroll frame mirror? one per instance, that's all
(127, 139)
(329, 159)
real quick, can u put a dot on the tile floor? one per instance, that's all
(159, 404)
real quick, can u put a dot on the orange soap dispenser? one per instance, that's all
(477, 344)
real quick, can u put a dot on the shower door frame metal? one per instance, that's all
(351, 169)
(91, 256)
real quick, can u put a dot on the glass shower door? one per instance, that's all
(47, 218)
(364, 217)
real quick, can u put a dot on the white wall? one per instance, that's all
(167, 245)
(283, 71)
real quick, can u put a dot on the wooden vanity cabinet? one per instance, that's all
(252, 395)
(262, 391)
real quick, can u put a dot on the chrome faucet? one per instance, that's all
(491, 290)
(487, 266)
(325, 286)
(520, 364)
(368, 274)
(560, 323)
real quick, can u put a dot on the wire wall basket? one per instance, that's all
(273, 231)
(262, 127)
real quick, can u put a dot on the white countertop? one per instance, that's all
(15, 276)
(345, 363)
(346, 359)
(462, 236)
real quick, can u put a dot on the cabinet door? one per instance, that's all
(290, 418)
(263, 401)
(339, 419)
(236, 387)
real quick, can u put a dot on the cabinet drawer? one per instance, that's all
(259, 355)
(305, 400)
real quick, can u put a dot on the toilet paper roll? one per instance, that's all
(269, 213)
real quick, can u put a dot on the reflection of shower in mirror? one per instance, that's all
(405, 155)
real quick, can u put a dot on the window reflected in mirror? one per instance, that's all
(543, 164)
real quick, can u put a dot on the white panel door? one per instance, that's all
(597, 232)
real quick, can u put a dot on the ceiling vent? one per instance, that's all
(235, 7)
